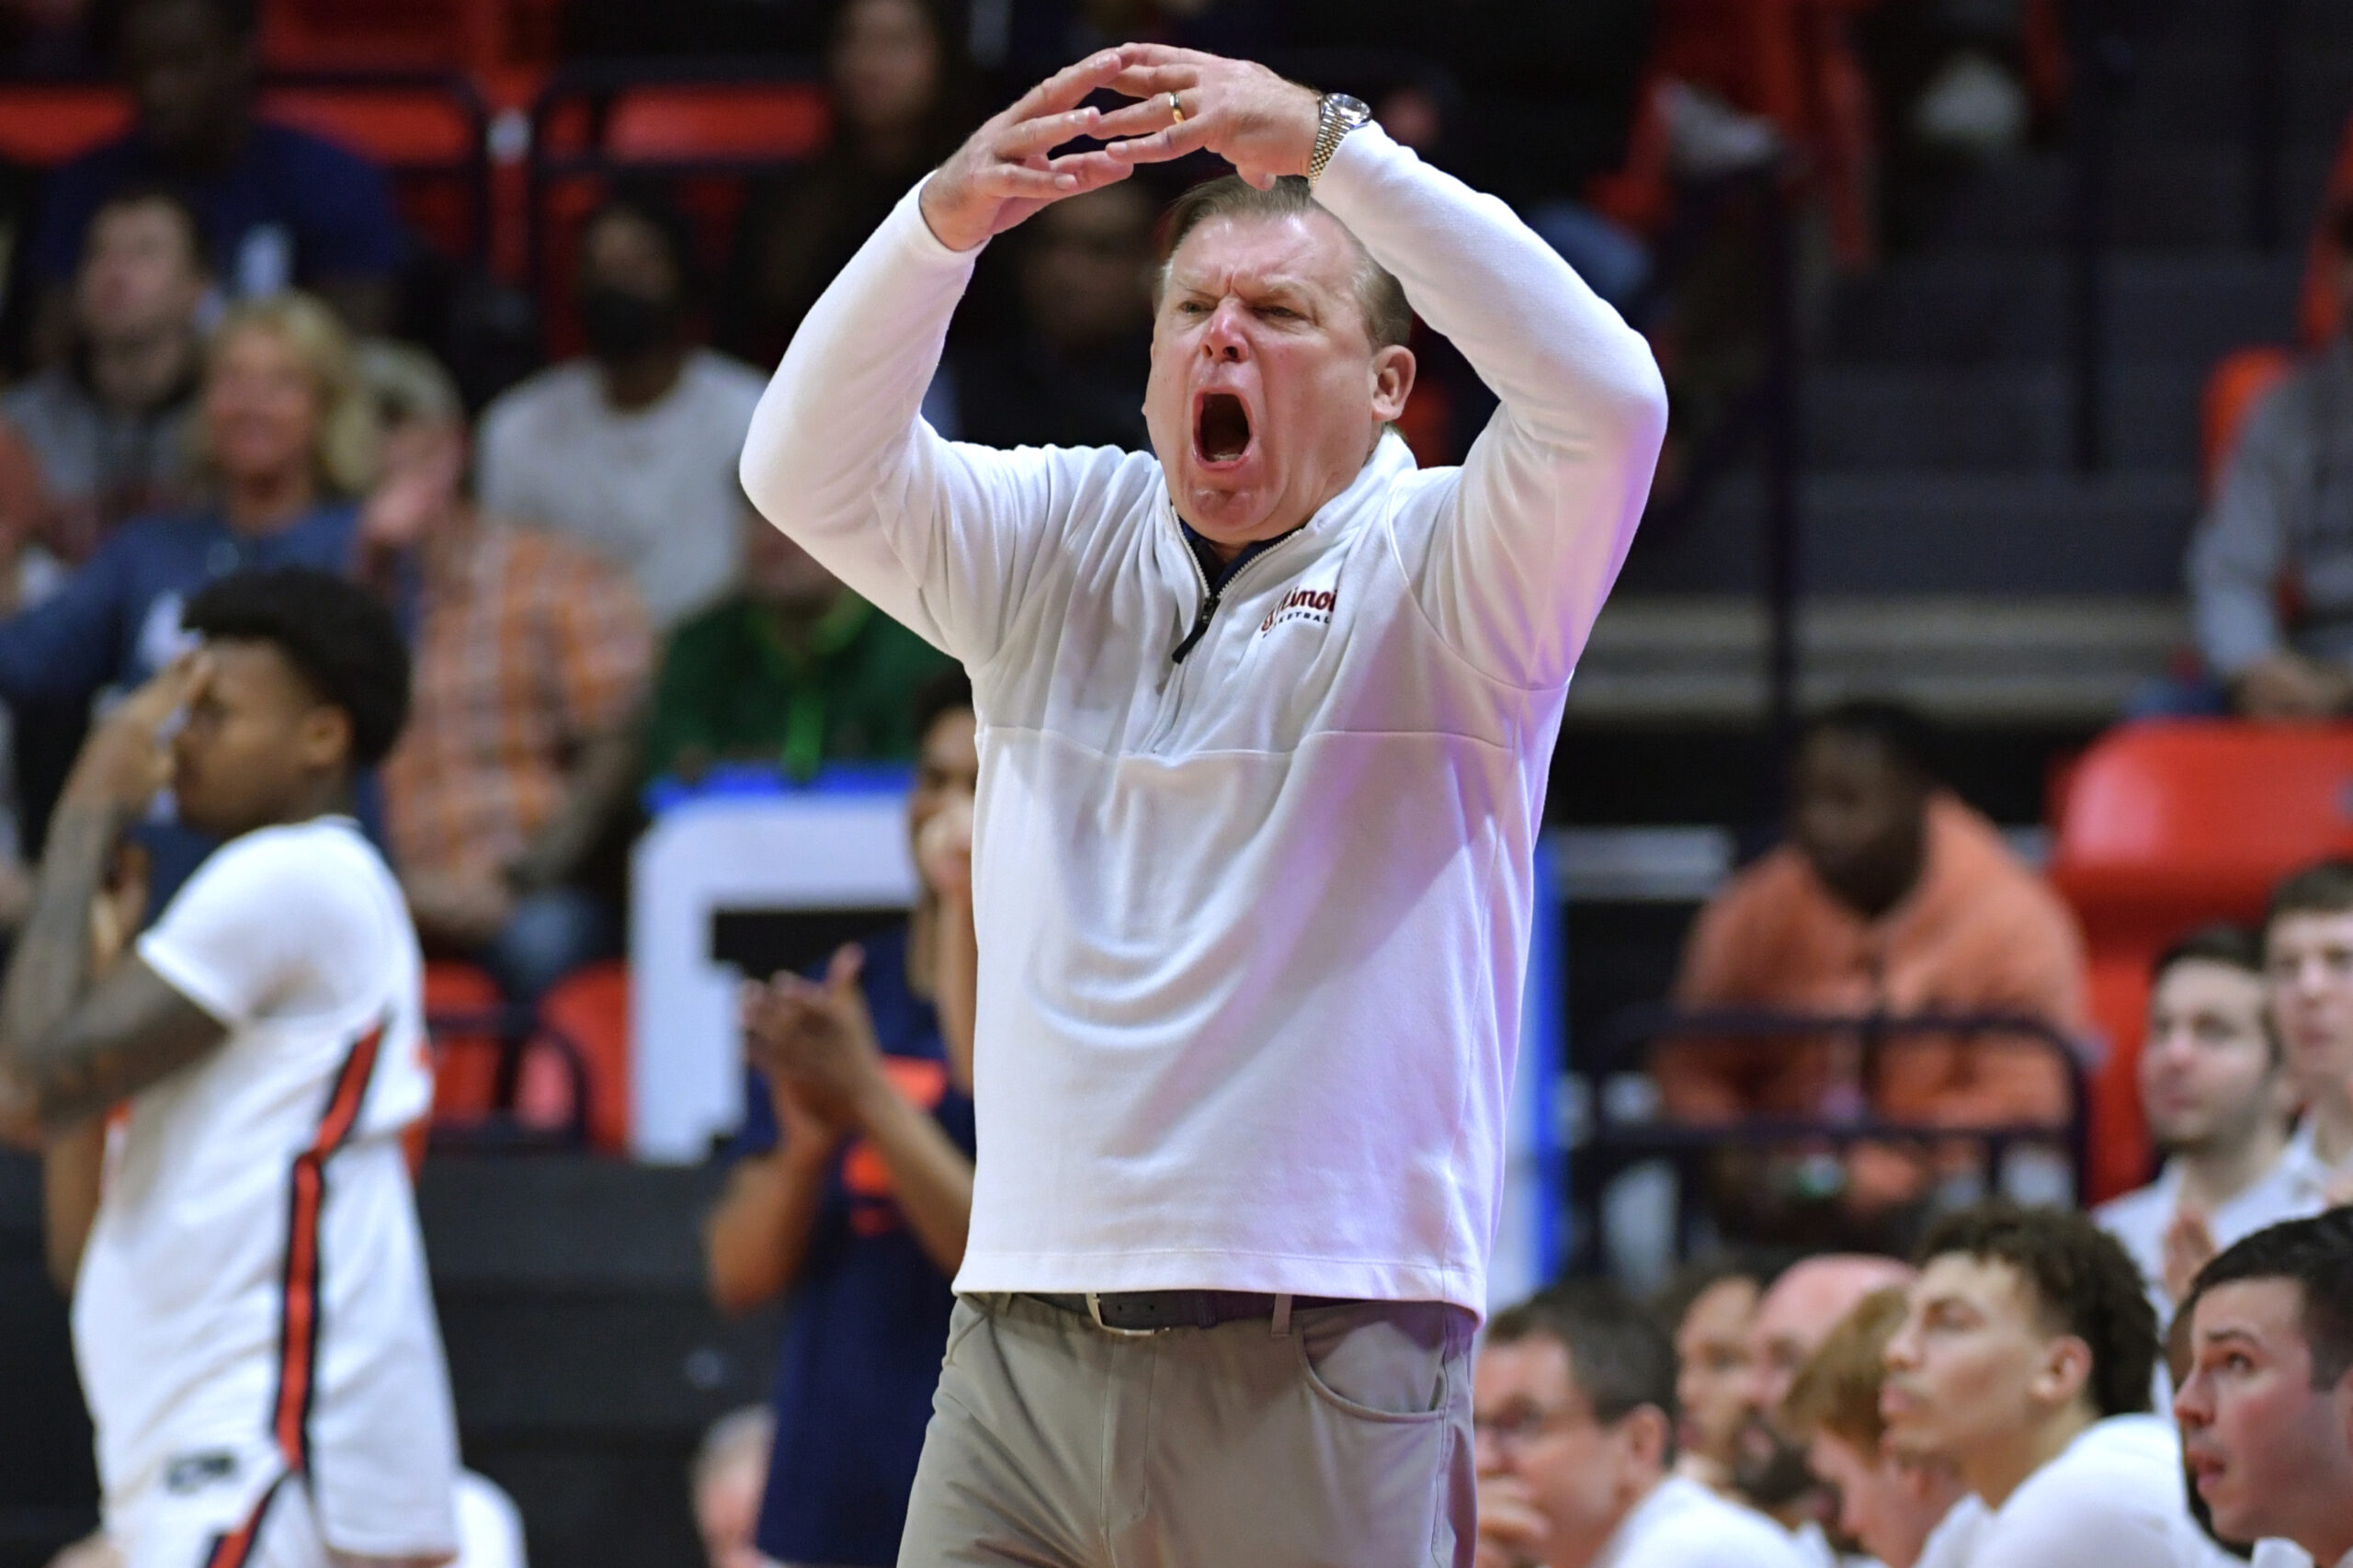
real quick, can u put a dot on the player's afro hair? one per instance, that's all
(337, 634)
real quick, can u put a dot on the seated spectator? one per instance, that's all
(2266, 1409)
(286, 440)
(280, 208)
(900, 106)
(2270, 578)
(532, 658)
(2308, 952)
(631, 451)
(1573, 1404)
(730, 1472)
(109, 424)
(794, 670)
(1892, 896)
(2217, 1102)
(1769, 1468)
(1902, 1511)
(1073, 373)
(2025, 1360)
(853, 1184)
(1709, 1307)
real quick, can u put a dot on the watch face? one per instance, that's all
(1351, 107)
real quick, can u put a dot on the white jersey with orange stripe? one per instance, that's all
(254, 1301)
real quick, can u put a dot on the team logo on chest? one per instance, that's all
(1301, 604)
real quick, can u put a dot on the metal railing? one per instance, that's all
(513, 1030)
(1612, 1143)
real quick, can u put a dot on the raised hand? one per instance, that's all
(127, 758)
(1242, 112)
(1005, 171)
(2188, 1247)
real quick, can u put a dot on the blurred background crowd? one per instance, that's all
(1987, 636)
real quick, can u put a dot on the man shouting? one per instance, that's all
(1266, 717)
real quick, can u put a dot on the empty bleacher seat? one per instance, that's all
(2161, 827)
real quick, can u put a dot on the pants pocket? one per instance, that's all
(1382, 1362)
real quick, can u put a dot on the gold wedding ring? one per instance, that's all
(1176, 110)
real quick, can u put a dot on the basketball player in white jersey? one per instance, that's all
(250, 1314)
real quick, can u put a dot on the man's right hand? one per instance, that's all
(1003, 172)
(1512, 1530)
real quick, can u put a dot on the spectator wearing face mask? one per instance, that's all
(631, 451)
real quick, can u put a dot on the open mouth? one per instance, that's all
(1221, 428)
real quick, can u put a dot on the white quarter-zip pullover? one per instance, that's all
(1252, 925)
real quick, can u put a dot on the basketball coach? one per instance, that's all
(1266, 720)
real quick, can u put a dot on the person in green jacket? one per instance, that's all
(791, 669)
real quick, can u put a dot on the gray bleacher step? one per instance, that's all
(2187, 307)
(2040, 660)
(2197, 88)
(2164, 192)
(2119, 534)
(1993, 418)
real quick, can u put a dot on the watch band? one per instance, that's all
(1336, 114)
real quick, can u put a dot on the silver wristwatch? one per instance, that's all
(1336, 114)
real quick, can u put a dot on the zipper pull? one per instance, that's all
(1200, 624)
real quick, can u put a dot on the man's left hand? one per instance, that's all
(817, 1032)
(1242, 112)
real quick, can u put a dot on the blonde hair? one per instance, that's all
(344, 455)
(405, 385)
(1837, 1390)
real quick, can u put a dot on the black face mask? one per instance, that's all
(621, 325)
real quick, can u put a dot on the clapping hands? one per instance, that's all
(815, 1041)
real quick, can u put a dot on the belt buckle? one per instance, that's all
(1094, 1311)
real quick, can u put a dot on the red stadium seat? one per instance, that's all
(587, 1012)
(479, 35)
(2161, 827)
(43, 123)
(704, 122)
(459, 999)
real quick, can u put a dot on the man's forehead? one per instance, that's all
(2270, 1311)
(2312, 928)
(1305, 249)
(1989, 1284)
(2207, 981)
(1536, 1368)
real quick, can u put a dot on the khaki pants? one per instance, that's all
(1343, 1442)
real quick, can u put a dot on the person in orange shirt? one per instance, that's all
(1890, 896)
